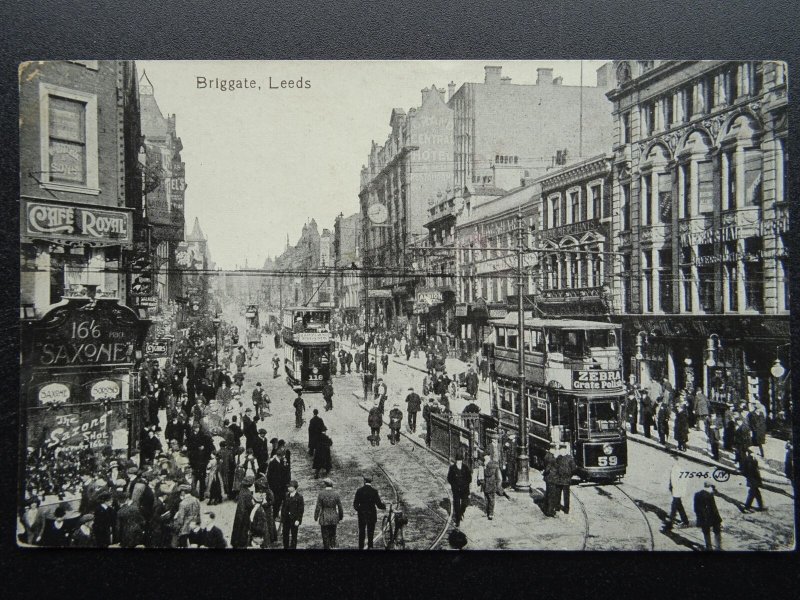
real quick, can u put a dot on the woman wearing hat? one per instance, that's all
(82, 536)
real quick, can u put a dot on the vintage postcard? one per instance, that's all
(427, 305)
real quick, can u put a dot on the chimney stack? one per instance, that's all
(544, 76)
(492, 74)
(558, 81)
(451, 89)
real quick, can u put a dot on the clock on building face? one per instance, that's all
(377, 213)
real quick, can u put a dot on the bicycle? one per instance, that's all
(392, 527)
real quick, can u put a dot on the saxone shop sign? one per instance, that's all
(84, 333)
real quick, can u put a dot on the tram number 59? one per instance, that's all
(605, 461)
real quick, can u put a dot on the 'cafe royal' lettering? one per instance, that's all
(69, 220)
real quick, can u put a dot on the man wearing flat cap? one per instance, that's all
(328, 512)
(366, 502)
(292, 515)
(105, 520)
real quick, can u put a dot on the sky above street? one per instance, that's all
(262, 162)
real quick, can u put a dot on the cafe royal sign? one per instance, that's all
(76, 223)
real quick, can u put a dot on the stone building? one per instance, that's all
(700, 213)
(403, 175)
(80, 183)
(347, 253)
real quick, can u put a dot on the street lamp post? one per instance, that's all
(216, 321)
(523, 480)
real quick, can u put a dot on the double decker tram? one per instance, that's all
(253, 334)
(576, 394)
(308, 346)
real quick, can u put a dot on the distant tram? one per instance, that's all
(253, 334)
(308, 346)
(576, 394)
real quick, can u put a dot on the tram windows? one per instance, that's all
(600, 338)
(534, 340)
(604, 416)
(505, 398)
(554, 343)
(501, 337)
(538, 409)
(583, 419)
(512, 339)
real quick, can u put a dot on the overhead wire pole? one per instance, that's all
(523, 480)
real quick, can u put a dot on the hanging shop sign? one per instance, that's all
(74, 222)
(85, 333)
(498, 313)
(429, 296)
(461, 310)
(105, 389)
(379, 294)
(597, 380)
(156, 348)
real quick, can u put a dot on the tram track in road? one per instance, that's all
(615, 520)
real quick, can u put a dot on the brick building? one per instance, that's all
(700, 211)
(347, 252)
(80, 183)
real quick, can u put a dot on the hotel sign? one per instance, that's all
(72, 222)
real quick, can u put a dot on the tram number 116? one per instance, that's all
(605, 461)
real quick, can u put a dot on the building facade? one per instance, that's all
(504, 132)
(576, 278)
(165, 186)
(347, 254)
(403, 175)
(700, 213)
(80, 179)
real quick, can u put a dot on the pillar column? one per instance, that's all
(740, 292)
(694, 284)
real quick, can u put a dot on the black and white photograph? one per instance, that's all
(368, 305)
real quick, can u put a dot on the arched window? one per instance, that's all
(741, 164)
(656, 187)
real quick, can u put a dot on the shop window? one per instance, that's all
(705, 276)
(627, 296)
(732, 276)
(753, 275)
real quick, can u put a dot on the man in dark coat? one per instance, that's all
(459, 477)
(647, 413)
(632, 410)
(315, 427)
(472, 382)
(249, 428)
(705, 507)
(130, 525)
(662, 421)
(236, 435)
(56, 533)
(199, 447)
(751, 471)
(291, 515)
(551, 490)
(299, 407)
(240, 533)
(322, 454)
(413, 402)
(395, 422)
(261, 450)
(105, 521)
(375, 422)
(150, 446)
(565, 468)
(276, 478)
(741, 439)
(158, 535)
(175, 430)
(384, 362)
(212, 536)
(681, 427)
(366, 502)
(327, 394)
(758, 428)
